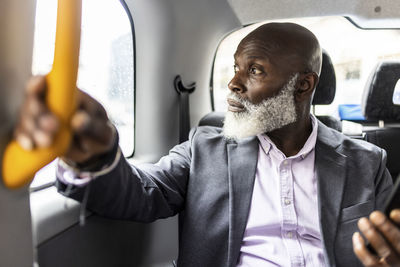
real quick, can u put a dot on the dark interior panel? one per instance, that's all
(105, 242)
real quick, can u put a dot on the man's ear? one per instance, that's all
(305, 86)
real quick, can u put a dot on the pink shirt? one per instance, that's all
(283, 224)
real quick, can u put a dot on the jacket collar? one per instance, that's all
(242, 163)
(330, 166)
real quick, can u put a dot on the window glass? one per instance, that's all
(354, 53)
(105, 63)
(396, 93)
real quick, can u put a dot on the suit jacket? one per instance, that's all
(209, 181)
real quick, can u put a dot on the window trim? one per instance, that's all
(128, 12)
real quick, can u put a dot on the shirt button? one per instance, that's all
(285, 162)
(287, 201)
(289, 235)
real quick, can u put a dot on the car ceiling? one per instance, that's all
(364, 13)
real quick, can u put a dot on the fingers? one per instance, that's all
(37, 125)
(375, 238)
(36, 86)
(395, 216)
(24, 141)
(48, 122)
(91, 106)
(91, 121)
(384, 237)
(95, 129)
(362, 253)
(93, 133)
(391, 234)
(85, 147)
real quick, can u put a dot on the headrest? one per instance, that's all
(377, 103)
(326, 88)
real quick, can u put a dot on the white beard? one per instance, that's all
(271, 114)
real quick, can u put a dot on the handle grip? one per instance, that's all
(19, 165)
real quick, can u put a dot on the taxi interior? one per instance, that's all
(169, 74)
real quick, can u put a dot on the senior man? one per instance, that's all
(274, 187)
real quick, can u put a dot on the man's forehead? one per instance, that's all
(257, 49)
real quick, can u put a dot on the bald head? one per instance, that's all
(288, 43)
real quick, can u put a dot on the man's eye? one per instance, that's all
(254, 70)
(235, 68)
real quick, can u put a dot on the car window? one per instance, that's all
(354, 53)
(106, 64)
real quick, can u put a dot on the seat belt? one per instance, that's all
(184, 110)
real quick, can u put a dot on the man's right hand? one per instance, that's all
(93, 134)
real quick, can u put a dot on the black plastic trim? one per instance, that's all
(128, 12)
(211, 85)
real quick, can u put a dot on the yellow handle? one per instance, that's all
(19, 165)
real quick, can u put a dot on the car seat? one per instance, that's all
(378, 105)
(326, 90)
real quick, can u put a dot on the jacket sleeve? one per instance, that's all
(383, 183)
(141, 193)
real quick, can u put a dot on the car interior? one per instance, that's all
(163, 70)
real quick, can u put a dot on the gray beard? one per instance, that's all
(271, 114)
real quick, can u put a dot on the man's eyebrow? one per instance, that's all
(252, 57)
(258, 57)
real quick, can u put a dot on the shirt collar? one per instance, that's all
(267, 144)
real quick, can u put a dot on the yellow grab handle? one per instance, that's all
(19, 165)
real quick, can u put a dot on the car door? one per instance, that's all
(16, 33)
(167, 39)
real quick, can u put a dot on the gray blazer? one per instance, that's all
(209, 182)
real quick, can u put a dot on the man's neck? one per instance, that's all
(291, 138)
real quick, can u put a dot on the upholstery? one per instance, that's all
(326, 88)
(377, 103)
(388, 139)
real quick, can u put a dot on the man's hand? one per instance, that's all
(384, 236)
(93, 134)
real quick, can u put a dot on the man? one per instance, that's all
(274, 187)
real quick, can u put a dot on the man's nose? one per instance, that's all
(236, 86)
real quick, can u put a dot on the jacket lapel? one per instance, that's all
(242, 163)
(331, 174)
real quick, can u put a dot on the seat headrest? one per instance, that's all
(326, 88)
(377, 103)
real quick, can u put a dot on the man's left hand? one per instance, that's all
(384, 236)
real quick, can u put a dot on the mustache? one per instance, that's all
(235, 97)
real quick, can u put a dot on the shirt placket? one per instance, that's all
(289, 216)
